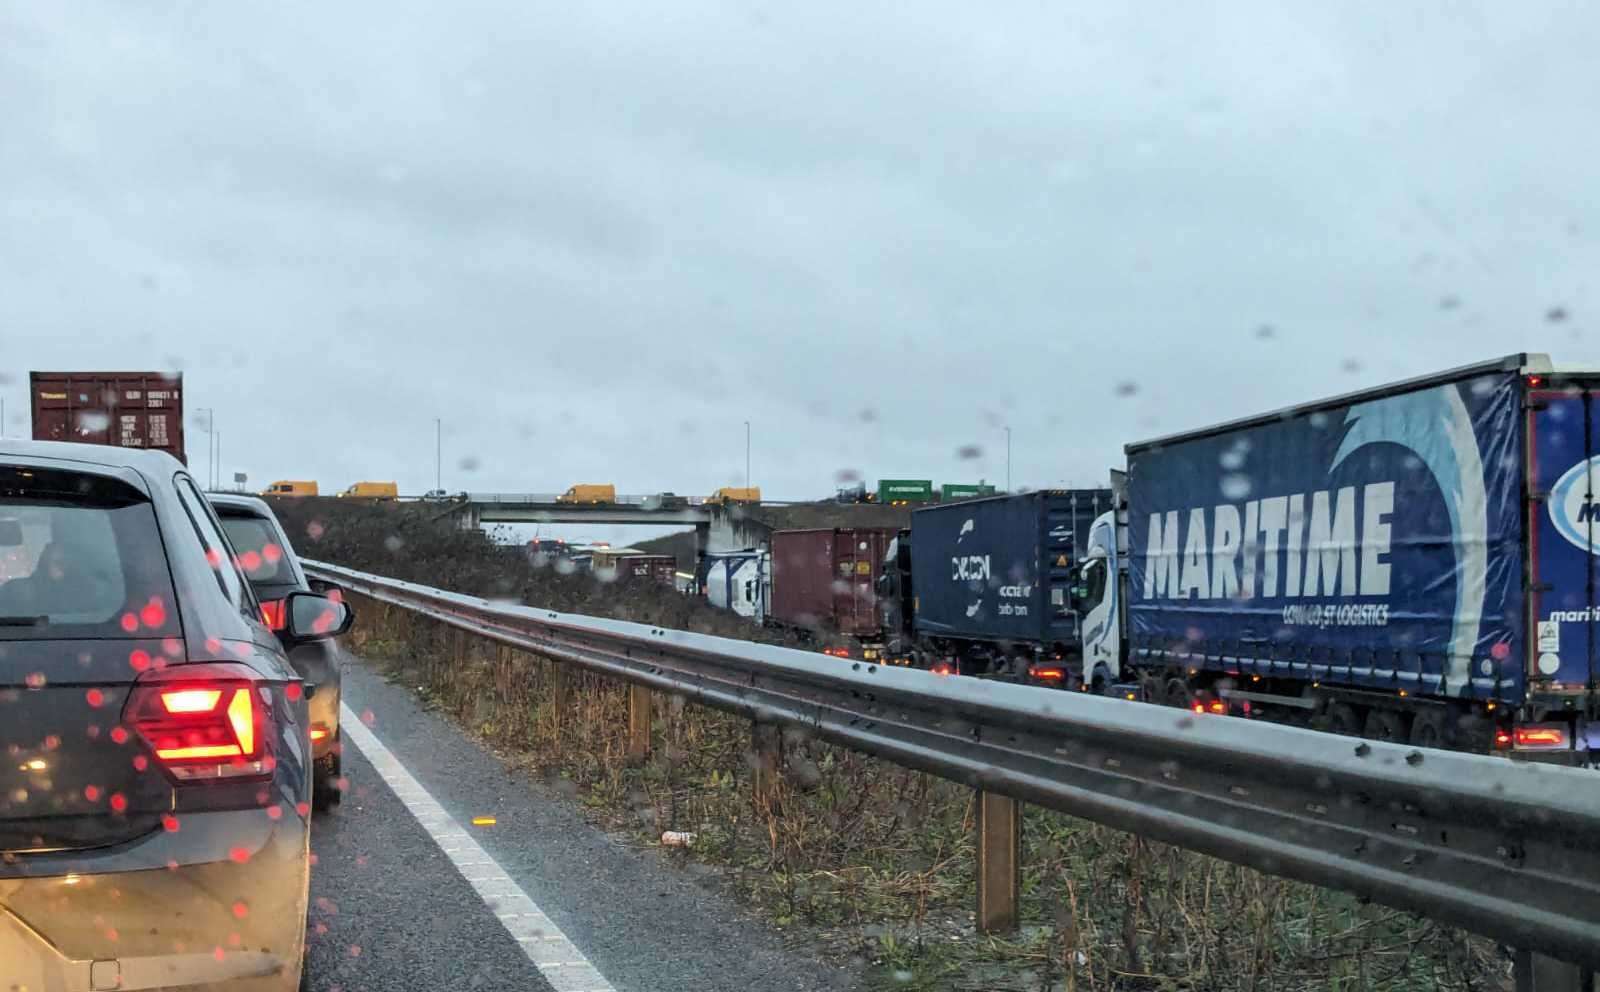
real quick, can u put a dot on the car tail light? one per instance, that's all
(1218, 706)
(1502, 739)
(1540, 736)
(272, 613)
(205, 721)
(1049, 673)
(319, 732)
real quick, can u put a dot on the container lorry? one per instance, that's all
(824, 583)
(372, 490)
(123, 409)
(1414, 562)
(951, 491)
(984, 586)
(589, 493)
(735, 494)
(902, 492)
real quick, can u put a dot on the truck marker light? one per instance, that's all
(1535, 381)
(1200, 708)
(1218, 706)
(1502, 739)
(1540, 737)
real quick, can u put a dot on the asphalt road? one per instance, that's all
(392, 911)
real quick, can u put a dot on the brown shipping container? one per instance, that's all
(658, 568)
(123, 409)
(827, 579)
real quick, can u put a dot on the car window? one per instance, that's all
(218, 552)
(80, 556)
(262, 554)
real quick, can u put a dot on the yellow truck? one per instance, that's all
(372, 490)
(589, 493)
(284, 487)
(735, 494)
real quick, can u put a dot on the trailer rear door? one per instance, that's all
(1564, 533)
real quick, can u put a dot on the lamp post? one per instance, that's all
(747, 454)
(1008, 458)
(438, 453)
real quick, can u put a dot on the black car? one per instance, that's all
(156, 783)
(269, 562)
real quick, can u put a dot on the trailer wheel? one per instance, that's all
(1343, 719)
(1428, 729)
(1385, 725)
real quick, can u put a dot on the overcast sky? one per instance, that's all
(596, 238)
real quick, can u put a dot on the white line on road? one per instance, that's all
(562, 964)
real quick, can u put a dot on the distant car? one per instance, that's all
(435, 494)
(156, 782)
(289, 487)
(274, 571)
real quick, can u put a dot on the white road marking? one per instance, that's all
(562, 964)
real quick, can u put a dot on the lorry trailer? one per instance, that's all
(1413, 562)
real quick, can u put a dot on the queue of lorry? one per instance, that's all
(1414, 562)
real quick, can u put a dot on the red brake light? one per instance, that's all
(319, 732)
(1502, 739)
(1541, 737)
(272, 613)
(1535, 381)
(1199, 707)
(1218, 706)
(204, 721)
(1047, 673)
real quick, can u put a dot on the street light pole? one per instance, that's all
(438, 453)
(216, 465)
(211, 415)
(1008, 458)
(747, 454)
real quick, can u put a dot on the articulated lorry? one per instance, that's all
(1414, 562)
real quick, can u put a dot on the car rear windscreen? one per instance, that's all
(80, 556)
(261, 554)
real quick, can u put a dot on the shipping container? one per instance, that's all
(589, 493)
(737, 581)
(122, 409)
(826, 580)
(903, 491)
(993, 577)
(952, 491)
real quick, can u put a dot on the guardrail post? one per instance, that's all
(1537, 973)
(999, 862)
(558, 691)
(766, 744)
(638, 721)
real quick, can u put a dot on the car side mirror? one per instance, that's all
(313, 617)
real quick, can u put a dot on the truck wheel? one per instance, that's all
(1428, 729)
(1343, 719)
(1385, 725)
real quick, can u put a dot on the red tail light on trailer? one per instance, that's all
(203, 722)
(1540, 737)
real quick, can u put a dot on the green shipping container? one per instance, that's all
(905, 491)
(961, 490)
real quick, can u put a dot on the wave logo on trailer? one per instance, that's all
(1435, 426)
(1571, 508)
(1276, 548)
(966, 529)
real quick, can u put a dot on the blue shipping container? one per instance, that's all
(1001, 568)
(1375, 543)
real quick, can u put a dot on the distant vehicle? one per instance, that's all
(274, 571)
(435, 495)
(122, 609)
(901, 492)
(665, 501)
(589, 493)
(737, 581)
(122, 409)
(735, 494)
(372, 490)
(857, 493)
(284, 487)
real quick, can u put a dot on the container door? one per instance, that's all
(1563, 432)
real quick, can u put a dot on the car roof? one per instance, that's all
(241, 501)
(148, 461)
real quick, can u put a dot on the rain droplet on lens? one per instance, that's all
(1266, 332)
(1556, 315)
(846, 475)
(468, 464)
(393, 543)
(1449, 301)
(1235, 486)
(968, 452)
(1350, 365)
(868, 415)
(1126, 387)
